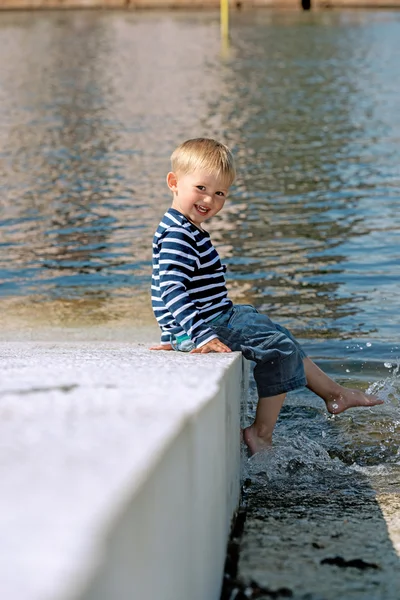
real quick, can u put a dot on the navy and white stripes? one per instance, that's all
(188, 284)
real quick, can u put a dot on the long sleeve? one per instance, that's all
(165, 338)
(178, 261)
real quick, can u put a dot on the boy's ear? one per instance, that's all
(172, 182)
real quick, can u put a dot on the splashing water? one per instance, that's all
(343, 447)
(388, 389)
(298, 459)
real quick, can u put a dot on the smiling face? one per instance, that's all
(198, 195)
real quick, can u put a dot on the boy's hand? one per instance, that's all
(162, 347)
(214, 345)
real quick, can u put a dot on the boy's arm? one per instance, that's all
(165, 338)
(164, 347)
(178, 261)
(214, 346)
(165, 342)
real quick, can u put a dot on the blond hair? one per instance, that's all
(205, 154)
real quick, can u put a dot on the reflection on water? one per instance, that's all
(92, 104)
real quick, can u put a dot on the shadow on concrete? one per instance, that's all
(311, 528)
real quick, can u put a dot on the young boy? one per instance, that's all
(191, 303)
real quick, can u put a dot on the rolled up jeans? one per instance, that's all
(278, 356)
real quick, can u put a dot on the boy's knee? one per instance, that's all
(278, 348)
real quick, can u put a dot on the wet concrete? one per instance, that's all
(315, 535)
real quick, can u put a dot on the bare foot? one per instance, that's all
(254, 442)
(350, 398)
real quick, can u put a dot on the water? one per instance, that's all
(91, 105)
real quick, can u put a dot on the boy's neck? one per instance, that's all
(187, 219)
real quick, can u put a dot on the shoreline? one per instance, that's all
(188, 5)
(78, 319)
(136, 334)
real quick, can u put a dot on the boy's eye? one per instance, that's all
(201, 187)
(220, 194)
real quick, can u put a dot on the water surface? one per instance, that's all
(91, 106)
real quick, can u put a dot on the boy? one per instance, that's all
(191, 303)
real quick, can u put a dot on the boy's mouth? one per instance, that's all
(203, 210)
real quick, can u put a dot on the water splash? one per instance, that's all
(388, 389)
(386, 477)
(300, 459)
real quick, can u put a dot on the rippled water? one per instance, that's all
(92, 104)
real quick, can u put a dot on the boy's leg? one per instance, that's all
(336, 397)
(259, 435)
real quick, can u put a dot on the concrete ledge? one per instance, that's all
(119, 469)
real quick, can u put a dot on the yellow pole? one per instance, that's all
(225, 20)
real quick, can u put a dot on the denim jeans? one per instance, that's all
(277, 355)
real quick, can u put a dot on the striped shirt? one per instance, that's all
(188, 284)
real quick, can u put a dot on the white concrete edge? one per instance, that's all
(167, 540)
(141, 524)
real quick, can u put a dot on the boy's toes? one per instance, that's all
(373, 400)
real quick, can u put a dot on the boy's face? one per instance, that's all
(198, 195)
